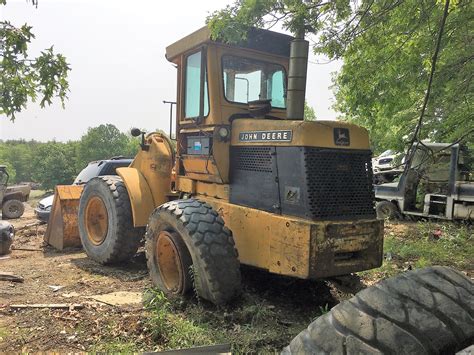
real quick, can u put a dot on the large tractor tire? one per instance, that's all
(105, 221)
(426, 311)
(12, 209)
(186, 243)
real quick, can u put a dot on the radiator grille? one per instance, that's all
(256, 159)
(339, 183)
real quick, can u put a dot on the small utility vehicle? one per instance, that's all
(436, 183)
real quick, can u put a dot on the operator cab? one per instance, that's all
(219, 83)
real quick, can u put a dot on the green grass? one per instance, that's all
(251, 326)
(419, 247)
(3, 334)
(273, 309)
(115, 346)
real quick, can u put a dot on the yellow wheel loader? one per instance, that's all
(250, 181)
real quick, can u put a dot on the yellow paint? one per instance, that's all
(194, 187)
(297, 247)
(141, 198)
(308, 134)
(148, 179)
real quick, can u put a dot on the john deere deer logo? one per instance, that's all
(341, 136)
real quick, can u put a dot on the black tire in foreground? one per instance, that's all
(105, 221)
(186, 242)
(386, 209)
(425, 311)
(12, 209)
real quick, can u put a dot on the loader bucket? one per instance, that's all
(63, 230)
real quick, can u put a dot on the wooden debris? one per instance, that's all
(26, 249)
(49, 305)
(8, 276)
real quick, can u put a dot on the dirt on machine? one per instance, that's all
(249, 183)
(12, 196)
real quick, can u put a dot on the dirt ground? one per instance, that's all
(53, 277)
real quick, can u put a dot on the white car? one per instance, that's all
(385, 161)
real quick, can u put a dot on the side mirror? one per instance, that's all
(135, 132)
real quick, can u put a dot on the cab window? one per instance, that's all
(248, 80)
(193, 87)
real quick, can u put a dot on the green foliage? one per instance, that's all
(387, 47)
(231, 24)
(251, 325)
(102, 142)
(24, 78)
(309, 114)
(53, 163)
(385, 74)
(417, 246)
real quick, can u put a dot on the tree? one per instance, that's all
(24, 78)
(102, 142)
(385, 74)
(54, 164)
(309, 114)
(387, 46)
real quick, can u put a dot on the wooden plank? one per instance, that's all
(49, 305)
(8, 276)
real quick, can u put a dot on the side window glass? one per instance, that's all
(276, 89)
(193, 87)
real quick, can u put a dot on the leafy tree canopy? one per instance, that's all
(102, 142)
(385, 74)
(387, 47)
(24, 78)
(309, 113)
(52, 163)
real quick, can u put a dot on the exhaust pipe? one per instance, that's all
(297, 78)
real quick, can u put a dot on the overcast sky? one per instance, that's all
(119, 74)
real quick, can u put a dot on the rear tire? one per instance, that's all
(12, 209)
(106, 222)
(204, 251)
(426, 311)
(386, 209)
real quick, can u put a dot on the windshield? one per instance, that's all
(387, 153)
(248, 80)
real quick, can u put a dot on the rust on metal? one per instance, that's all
(63, 231)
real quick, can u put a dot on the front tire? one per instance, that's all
(12, 209)
(106, 222)
(186, 242)
(386, 209)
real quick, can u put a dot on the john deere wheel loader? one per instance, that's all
(250, 181)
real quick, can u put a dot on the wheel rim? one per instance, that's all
(96, 220)
(169, 262)
(13, 209)
(385, 211)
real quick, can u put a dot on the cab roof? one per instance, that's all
(257, 39)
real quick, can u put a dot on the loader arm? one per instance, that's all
(148, 179)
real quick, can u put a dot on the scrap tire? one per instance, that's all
(426, 311)
(12, 209)
(206, 244)
(386, 209)
(121, 239)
